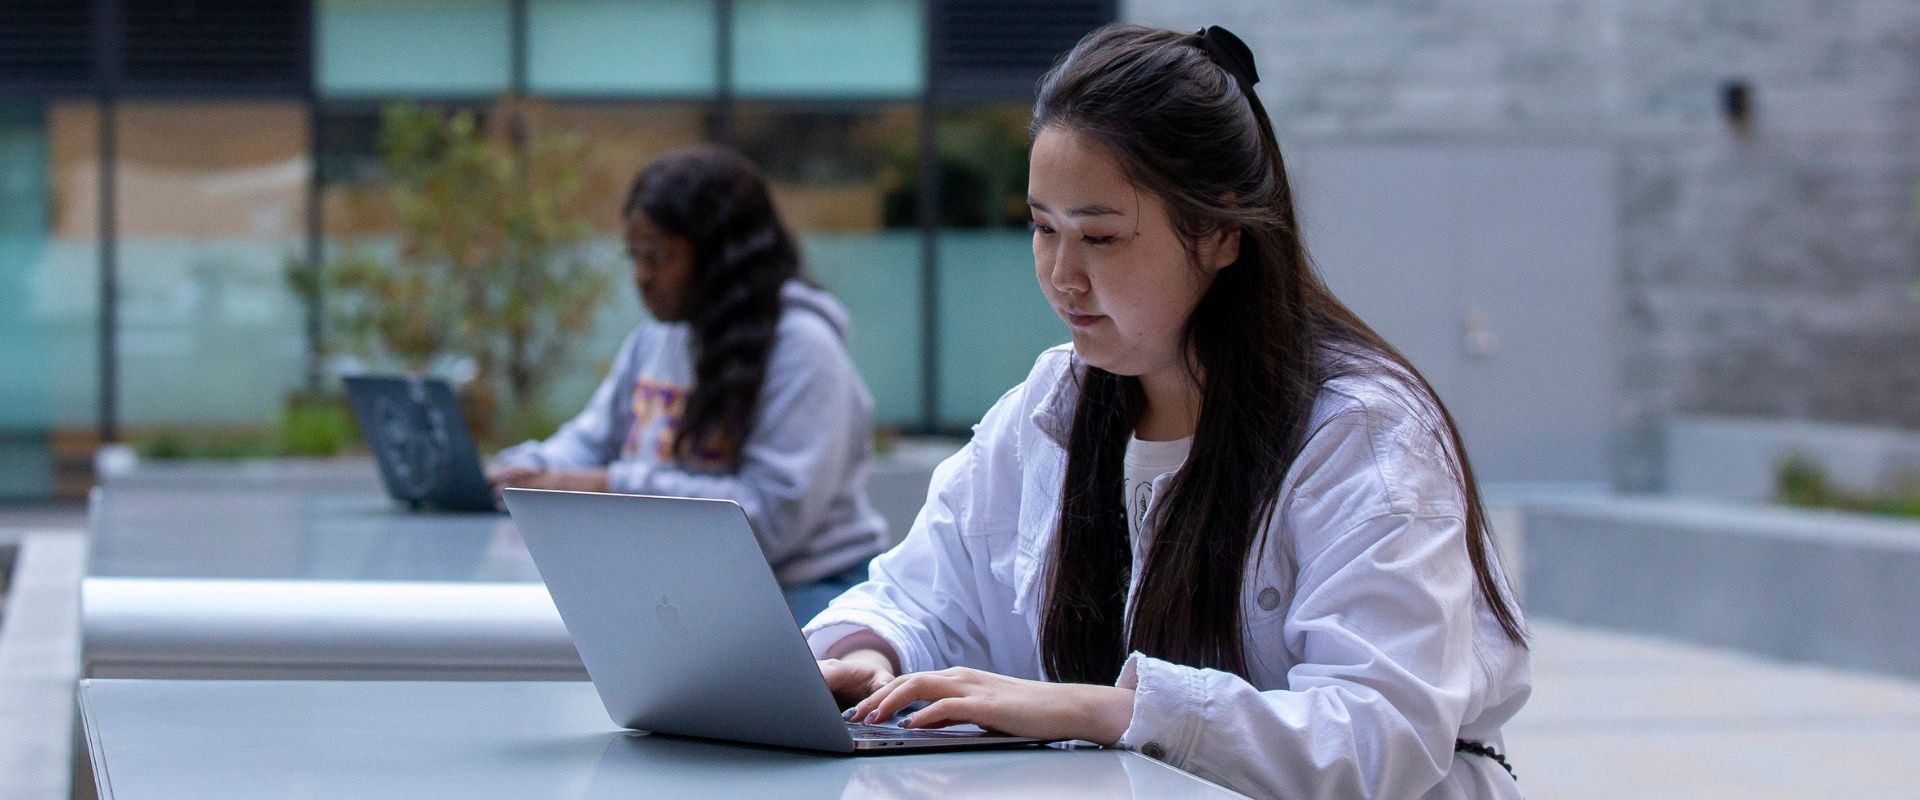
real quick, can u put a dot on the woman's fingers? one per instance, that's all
(941, 713)
(921, 686)
(994, 702)
(863, 710)
(869, 709)
(851, 682)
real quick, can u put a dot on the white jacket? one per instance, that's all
(1367, 661)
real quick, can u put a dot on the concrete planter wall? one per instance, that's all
(1827, 587)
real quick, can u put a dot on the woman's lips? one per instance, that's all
(1079, 320)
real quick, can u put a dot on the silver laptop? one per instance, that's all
(683, 629)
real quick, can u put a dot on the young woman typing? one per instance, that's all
(1228, 526)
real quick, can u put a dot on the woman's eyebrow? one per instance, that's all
(1095, 210)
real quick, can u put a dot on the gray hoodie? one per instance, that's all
(803, 468)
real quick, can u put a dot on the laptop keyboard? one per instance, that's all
(864, 731)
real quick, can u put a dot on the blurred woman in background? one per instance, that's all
(739, 388)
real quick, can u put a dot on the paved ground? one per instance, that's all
(1619, 716)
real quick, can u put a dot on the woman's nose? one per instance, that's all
(1067, 273)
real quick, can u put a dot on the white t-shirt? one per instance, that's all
(1146, 461)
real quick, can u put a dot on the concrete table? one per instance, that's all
(154, 740)
(277, 532)
(263, 579)
(305, 569)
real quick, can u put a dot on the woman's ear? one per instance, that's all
(1220, 248)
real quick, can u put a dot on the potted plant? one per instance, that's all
(477, 264)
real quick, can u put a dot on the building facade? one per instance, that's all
(163, 160)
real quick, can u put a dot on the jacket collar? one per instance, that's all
(1053, 415)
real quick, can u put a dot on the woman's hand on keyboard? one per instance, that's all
(857, 675)
(1098, 714)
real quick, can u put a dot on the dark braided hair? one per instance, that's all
(742, 256)
(1187, 130)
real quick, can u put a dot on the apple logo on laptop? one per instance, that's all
(670, 618)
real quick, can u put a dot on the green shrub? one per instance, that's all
(169, 443)
(1798, 481)
(162, 445)
(317, 426)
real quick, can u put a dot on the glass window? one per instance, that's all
(621, 47)
(424, 47)
(828, 47)
(621, 139)
(840, 179)
(49, 297)
(211, 202)
(26, 404)
(993, 320)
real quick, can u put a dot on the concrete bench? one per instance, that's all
(332, 630)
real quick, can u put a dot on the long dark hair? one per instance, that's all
(1265, 336)
(742, 255)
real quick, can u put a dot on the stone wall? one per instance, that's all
(1768, 269)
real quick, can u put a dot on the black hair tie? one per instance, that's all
(1478, 749)
(1230, 53)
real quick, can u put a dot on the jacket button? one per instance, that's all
(1269, 599)
(1154, 751)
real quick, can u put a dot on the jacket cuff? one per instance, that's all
(1169, 708)
(628, 477)
(834, 624)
